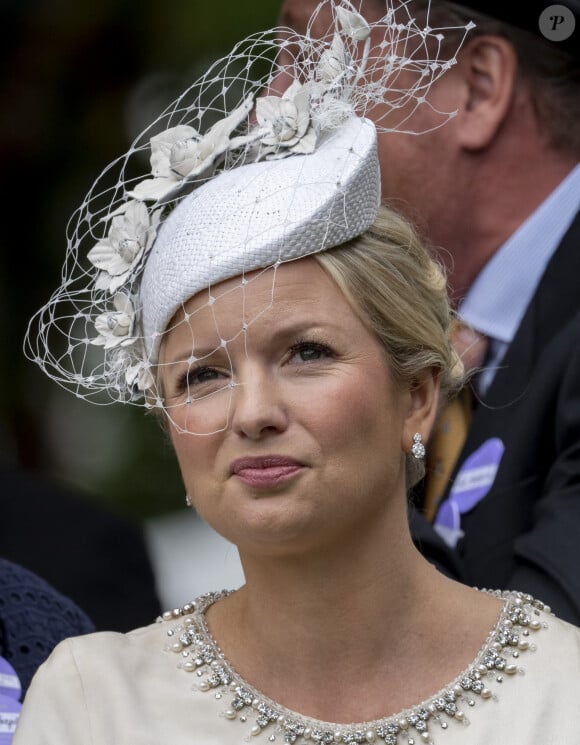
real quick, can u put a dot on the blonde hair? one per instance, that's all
(400, 294)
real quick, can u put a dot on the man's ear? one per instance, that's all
(423, 406)
(488, 66)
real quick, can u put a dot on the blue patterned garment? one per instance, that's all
(34, 617)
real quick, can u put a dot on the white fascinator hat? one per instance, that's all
(269, 157)
(259, 215)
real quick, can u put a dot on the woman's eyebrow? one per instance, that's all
(205, 350)
(193, 353)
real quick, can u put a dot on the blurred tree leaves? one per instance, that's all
(78, 81)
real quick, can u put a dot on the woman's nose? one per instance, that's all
(258, 408)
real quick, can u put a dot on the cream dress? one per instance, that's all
(169, 684)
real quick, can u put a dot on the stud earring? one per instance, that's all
(188, 500)
(418, 448)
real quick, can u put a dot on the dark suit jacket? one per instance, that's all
(525, 533)
(84, 550)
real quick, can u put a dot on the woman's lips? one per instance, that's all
(265, 471)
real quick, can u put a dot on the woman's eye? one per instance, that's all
(196, 377)
(198, 382)
(309, 352)
(202, 375)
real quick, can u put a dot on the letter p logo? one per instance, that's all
(557, 23)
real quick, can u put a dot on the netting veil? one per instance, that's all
(269, 157)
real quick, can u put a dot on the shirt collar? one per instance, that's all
(497, 300)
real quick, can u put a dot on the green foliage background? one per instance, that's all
(79, 80)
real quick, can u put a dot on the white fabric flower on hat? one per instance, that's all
(129, 368)
(333, 63)
(140, 375)
(131, 233)
(181, 153)
(353, 24)
(115, 326)
(285, 122)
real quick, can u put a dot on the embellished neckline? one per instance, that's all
(200, 655)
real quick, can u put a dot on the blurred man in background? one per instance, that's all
(496, 191)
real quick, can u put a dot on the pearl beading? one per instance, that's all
(200, 655)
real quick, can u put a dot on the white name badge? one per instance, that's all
(8, 723)
(9, 713)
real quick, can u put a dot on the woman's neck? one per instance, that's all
(328, 635)
(368, 575)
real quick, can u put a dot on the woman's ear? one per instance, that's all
(488, 66)
(423, 407)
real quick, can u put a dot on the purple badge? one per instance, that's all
(471, 484)
(9, 682)
(9, 713)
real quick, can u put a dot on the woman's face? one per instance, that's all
(305, 428)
